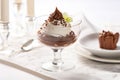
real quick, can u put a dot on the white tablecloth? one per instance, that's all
(84, 69)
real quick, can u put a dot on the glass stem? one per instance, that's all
(30, 26)
(4, 34)
(57, 60)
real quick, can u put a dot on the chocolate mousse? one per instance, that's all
(108, 40)
(56, 32)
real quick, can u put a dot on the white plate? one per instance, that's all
(91, 43)
(84, 53)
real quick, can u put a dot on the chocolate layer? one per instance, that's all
(56, 18)
(57, 41)
(56, 15)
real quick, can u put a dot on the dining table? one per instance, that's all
(103, 14)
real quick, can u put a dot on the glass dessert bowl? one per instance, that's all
(57, 33)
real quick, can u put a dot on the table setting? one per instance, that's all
(58, 45)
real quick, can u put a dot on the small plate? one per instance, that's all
(91, 43)
(87, 54)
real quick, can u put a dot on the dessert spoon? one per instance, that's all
(30, 44)
(27, 46)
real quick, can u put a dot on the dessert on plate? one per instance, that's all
(55, 31)
(108, 40)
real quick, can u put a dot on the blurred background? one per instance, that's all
(101, 12)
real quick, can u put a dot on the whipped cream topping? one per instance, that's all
(56, 25)
(56, 30)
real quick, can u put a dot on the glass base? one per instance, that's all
(6, 52)
(49, 66)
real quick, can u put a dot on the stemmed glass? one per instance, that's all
(57, 44)
(5, 48)
(17, 24)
